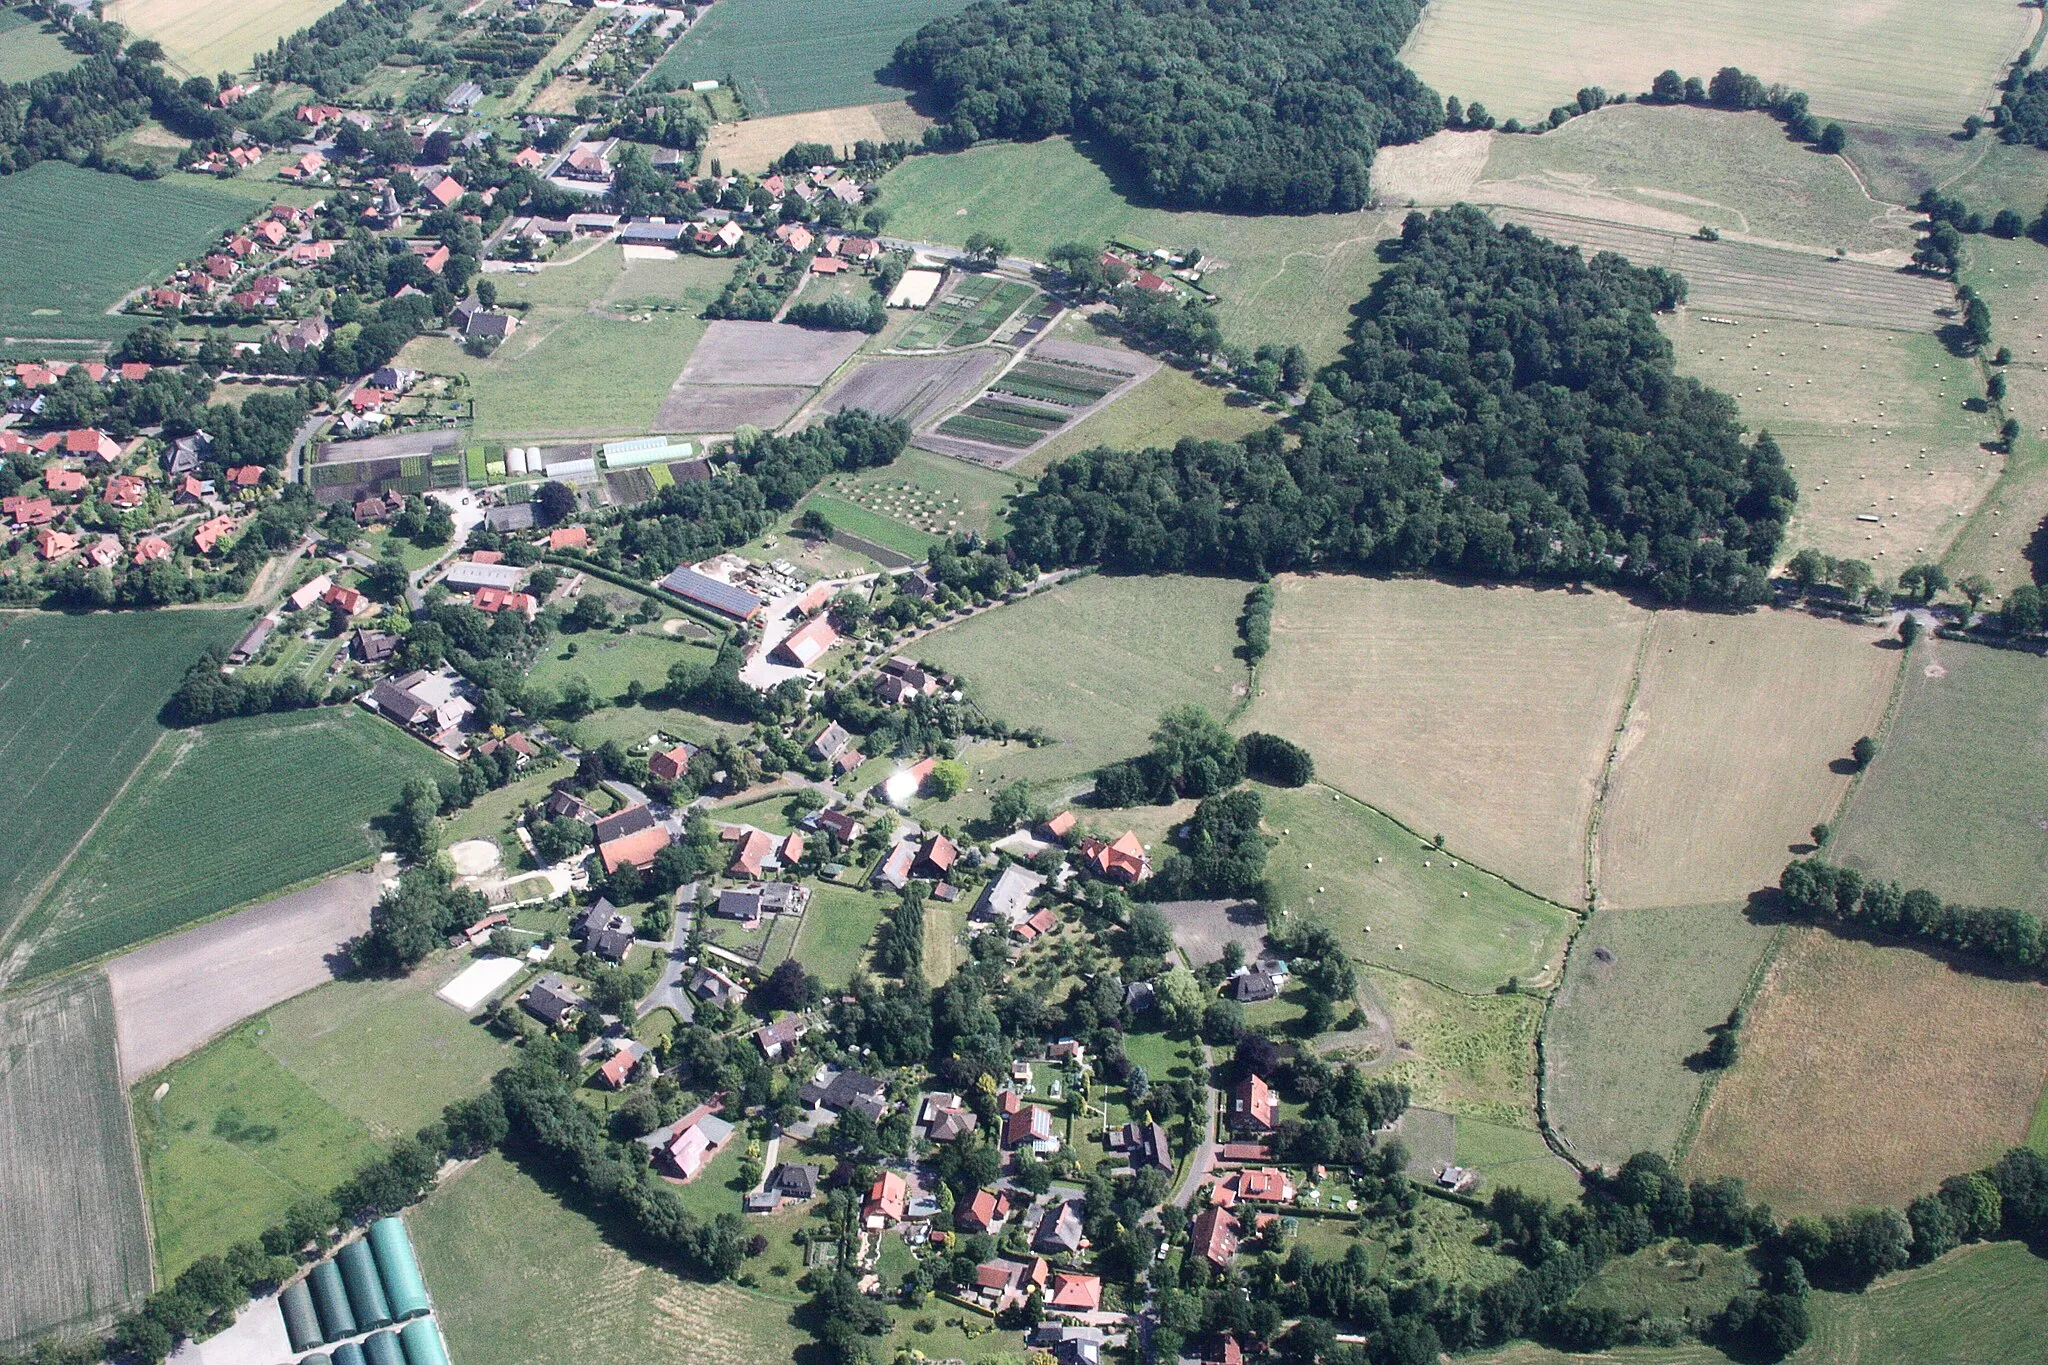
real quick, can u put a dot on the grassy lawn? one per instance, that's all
(1159, 412)
(837, 927)
(1518, 1157)
(290, 1103)
(610, 659)
(493, 815)
(785, 56)
(1280, 278)
(632, 725)
(1095, 662)
(78, 703)
(1953, 801)
(223, 815)
(1669, 1280)
(29, 48)
(1919, 64)
(1472, 1056)
(600, 343)
(1402, 904)
(521, 1277)
(125, 234)
(1971, 1305)
(933, 495)
(1640, 992)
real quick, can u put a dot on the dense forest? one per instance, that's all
(2023, 115)
(1260, 107)
(1505, 408)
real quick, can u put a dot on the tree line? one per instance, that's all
(1506, 408)
(1266, 108)
(2012, 939)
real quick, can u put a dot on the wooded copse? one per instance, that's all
(1506, 408)
(1275, 107)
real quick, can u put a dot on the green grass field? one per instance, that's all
(1469, 1055)
(122, 235)
(1095, 662)
(1916, 63)
(1279, 278)
(1169, 405)
(78, 703)
(1953, 801)
(599, 346)
(521, 1277)
(785, 56)
(1456, 925)
(1982, 1303)
(1517, 1157)
(1622, 1025)
(221, 816)
(833, 943)
(30, 48)
(75, 1240)
(609, 661)
(631, 725)
(290, 1103)
(1669, 1280)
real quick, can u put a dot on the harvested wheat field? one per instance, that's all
(1871, 421)
(1869, 1073)
(751, 144)
(1480, 713)
(1917, 63)
(1725, 765)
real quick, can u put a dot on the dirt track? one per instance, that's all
(172, 996)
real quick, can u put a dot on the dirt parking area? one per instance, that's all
(914, 388)
(174, 995)
(768, 353)
(718, 408)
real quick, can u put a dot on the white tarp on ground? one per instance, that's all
(479, 981)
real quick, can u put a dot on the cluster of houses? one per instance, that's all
(242, 273)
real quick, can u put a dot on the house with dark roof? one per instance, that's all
(831, 741)
(793, 1180)
(566, 805)
(1059, 1230)
(845, 1090)
(620, 824)
(551, 1000)
(1251, 986)
(715, 987)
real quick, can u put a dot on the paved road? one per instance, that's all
(673, 989)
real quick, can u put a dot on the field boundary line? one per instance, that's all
(134, 1135)
(34, 900)
(1607, 770)
(1689, 1133)
(1883, 736)
(1551, 1138)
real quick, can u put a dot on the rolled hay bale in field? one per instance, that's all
(330, 1301)
(383, 1349)
(301, 1323)
(350, 1354)
(423, 1343)
(365, 1290)
(403, 1288)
